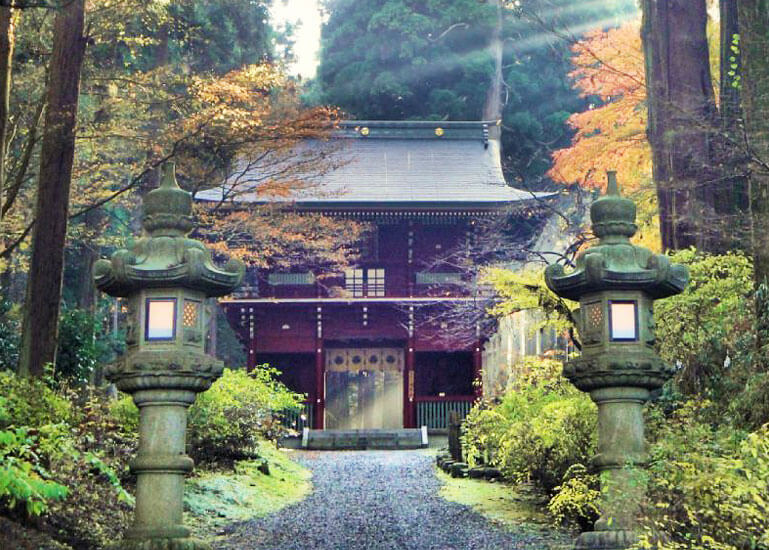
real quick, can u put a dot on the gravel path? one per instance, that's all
(374, 500)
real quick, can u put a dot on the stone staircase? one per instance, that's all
(341, 440)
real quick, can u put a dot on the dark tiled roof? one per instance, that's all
(418, 162)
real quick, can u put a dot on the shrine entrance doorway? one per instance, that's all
(364, 388)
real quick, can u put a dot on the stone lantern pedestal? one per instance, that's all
(165, 278)
(616, 284)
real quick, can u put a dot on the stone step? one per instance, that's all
(337, 440)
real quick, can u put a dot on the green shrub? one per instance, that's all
(30, 416)
(536, 432)
(78, 352)
(62, 459)
(709, 331)
(576, 499)
(125, 413)
(9, 336)
(706, 322)
(709, 485)
(227, 421)
(31, 402)
(21, 478)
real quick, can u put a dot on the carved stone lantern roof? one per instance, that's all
(614, 263)
(165, 256)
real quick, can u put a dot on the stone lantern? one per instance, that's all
(165, 278)
(616, 284)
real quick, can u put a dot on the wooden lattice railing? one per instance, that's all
(433, 412)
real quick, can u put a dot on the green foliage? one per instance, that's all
(537, 432)
(78, 350)
(9, 336)
(62, 462)
(526, 289)
(576, 499)
(708, 484)
(125, 414)
(206, 36)
(30, 402)
(708, 322)
(709, 332)
(21, 481)
(227, 421)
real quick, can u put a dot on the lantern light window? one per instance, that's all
(623, 320)
(191, 315)
(161, 319)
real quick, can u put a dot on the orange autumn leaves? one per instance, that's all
(612, 134)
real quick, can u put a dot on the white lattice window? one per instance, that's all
(365, 282)
(376, 282)
(353, 281)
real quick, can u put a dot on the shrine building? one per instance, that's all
(363, 345)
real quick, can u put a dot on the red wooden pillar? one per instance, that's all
(320, 374)
(477, 369)
(251, 359)
(409, 416)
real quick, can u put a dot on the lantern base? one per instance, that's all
(606, 540)
(161, 544)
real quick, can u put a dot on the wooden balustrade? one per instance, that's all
(433, 412)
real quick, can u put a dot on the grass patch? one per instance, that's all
(215, 499)
(517, 509)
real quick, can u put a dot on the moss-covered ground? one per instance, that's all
(214, 499)
(517, 508)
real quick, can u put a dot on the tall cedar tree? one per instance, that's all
(681, 110)
(7, 30)
(754, 42)
(41, 308)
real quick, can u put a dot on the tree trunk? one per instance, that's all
(754, 41)
(88, 253)
(41, 309)
(492, 109)
(681, 112)
(732, 193)
(8, 19)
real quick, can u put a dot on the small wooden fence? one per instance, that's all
(298, 419)
(433, 412)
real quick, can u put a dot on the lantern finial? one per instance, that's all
(168, 176)
(168, 209)
(613, 215)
